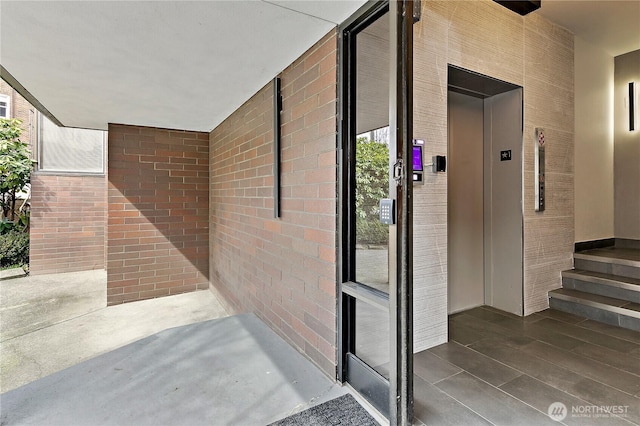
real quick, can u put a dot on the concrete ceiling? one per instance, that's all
(175, 64)
(612, 25)
(188, 65)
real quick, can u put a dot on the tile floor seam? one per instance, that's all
(586, 403)
(492, 359)
(544, 383)
(568, 370)
(448, 377)
(590, 329)
(579, 374)
(576, 371)
(594, 358)
(507, 393)
(518, 399)
(578, 355)
(495, 387)
(566, 328)
(582, 339)
(460, 402)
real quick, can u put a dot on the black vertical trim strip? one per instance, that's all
(277, 108)
(632, 113)
(401, 297)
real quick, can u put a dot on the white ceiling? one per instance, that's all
(613, 25)
(188, 65)
(174, 64)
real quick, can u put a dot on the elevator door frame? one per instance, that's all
(492, 90)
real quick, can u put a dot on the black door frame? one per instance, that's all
(393, 397)
(401, 125)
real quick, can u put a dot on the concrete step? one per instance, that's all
(609, 310)
(615, 286)
(623, 262)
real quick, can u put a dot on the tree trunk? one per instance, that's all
(13, 205)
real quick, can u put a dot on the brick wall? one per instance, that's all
(281, 269)
(68, 215)
(21, 109)
(157, 234)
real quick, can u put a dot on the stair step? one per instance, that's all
(627, 243)
(624, 262)
(618, 312)
(615, 286)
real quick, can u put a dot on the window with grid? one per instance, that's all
(70, 150)
(4, 106)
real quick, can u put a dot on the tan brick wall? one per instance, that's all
(534, 53)
(157, 233)
(68, 215)
(281, 269)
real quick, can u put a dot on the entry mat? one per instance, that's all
(343, 410)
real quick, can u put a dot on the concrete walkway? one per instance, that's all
(229, 371)
(51, 322)
(67, 359)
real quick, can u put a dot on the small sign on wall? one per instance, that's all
(505, 155)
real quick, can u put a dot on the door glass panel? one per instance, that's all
(372, 336)
(372, 153)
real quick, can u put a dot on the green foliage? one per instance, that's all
(372, 177)
(372, 184)
(371, 232)
(15, 173)
(23, 220)
(6, 226)
(15, 165)
(20, 224)
(14, 249)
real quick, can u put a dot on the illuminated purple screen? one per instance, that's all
(417, 158)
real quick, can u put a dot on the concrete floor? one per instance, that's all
(166, 361)
(51, 322)
(179, 360)
(229, 371)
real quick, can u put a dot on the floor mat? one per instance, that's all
(343, 410)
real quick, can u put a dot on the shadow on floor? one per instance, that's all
(52, 322)
(233, 370)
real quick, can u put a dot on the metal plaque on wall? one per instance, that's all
(539, 179)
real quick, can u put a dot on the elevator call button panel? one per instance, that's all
(539, 179)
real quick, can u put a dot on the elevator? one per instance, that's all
(484, 193)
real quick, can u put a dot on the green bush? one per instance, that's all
(14, 249)
(15, 165)
(371, 232)
(372, 177)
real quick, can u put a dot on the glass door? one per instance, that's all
(374, 304)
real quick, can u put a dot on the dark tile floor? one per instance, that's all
(501, 369)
